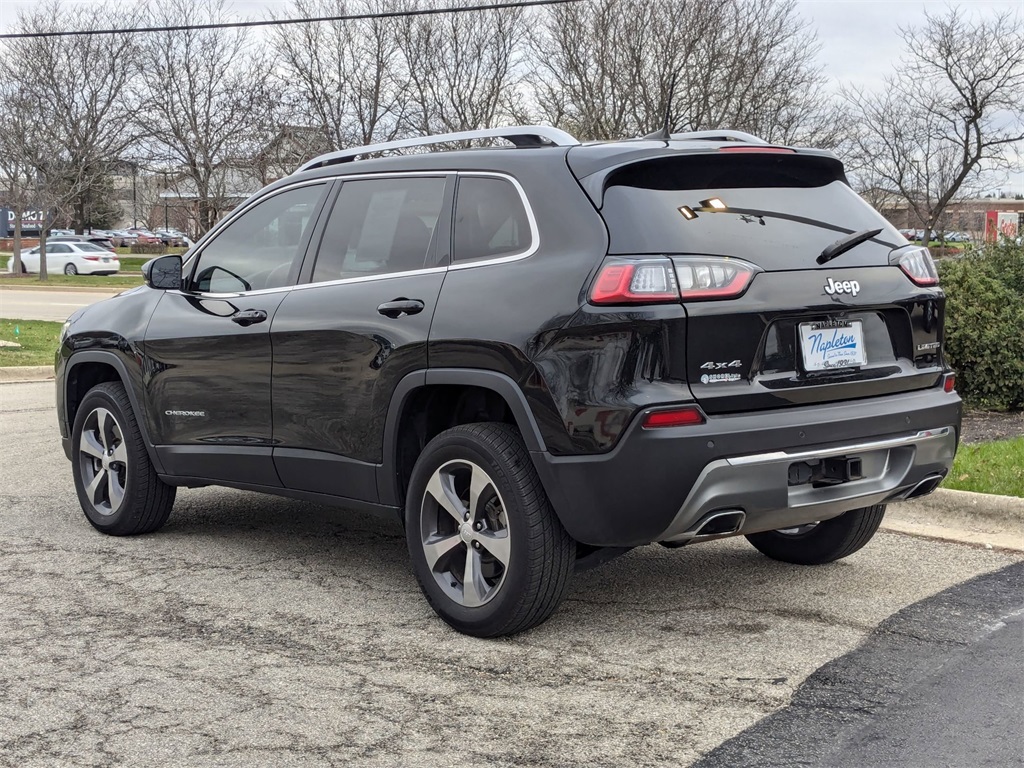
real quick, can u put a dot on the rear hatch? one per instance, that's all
(800, 331)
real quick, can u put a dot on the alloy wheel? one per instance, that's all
(103, 460)
(465, 533)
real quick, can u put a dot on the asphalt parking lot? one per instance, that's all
(261, 631)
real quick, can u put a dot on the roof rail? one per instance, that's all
(520, 135)
(723, 135)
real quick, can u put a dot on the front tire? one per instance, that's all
(117, 485)
(487, 549)
(822, 542)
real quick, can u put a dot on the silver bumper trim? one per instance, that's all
(758, 484)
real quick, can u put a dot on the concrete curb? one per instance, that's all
(26, 373)
(978, 519)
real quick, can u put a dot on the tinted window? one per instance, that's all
(89, 247)
(490, 219)
(378, 226)
(776, 211)
(57, 248)
(258, 249)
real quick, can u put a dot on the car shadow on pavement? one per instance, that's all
(671, 590)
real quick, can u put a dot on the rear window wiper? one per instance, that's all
(846, 243)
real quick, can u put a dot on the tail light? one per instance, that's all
(647, 281)
(949, 383)
(712, 277)
(669, 280)
(917, 264)
(91, 258)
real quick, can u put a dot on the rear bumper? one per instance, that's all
(663, 484)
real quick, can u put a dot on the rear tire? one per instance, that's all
(117, 485)
(487, 549)
(70, 269)
(823, 542)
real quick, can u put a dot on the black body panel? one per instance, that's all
(208, 384)
(337, 361)
(759, 330)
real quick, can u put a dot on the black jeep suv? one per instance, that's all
(538, 356)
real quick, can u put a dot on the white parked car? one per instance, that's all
(71, 259)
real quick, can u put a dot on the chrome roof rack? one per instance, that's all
(724, 135)
(519, 135)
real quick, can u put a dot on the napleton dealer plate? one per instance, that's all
(831, 345)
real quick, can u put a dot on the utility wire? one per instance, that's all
(283, 22)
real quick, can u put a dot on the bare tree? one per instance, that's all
(81, 85)
(208, 106)
(591, 58)
(463, 68)
(344, 79)
(614, 68)
(949, 115)
(17, 171)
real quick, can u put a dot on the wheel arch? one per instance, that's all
(84, 370)
(496, 387)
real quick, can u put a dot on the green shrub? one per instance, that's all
(985, 325)
(148, 248)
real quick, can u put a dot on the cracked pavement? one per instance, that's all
(260, 631)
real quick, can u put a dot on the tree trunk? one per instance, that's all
(16, 247)
(42, 251)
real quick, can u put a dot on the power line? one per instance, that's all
(283, 22)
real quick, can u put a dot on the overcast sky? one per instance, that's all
(858, 37)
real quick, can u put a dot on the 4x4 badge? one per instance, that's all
(832, 287)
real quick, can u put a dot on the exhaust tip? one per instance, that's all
(925, 487)
(725, 522)
(722, 523)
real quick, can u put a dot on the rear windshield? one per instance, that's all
(779, 212)
(90, 247)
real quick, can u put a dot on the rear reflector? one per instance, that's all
(677, 417)
(949, 384)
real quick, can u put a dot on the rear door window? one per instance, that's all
(381, 226)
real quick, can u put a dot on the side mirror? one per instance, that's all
(163, 273)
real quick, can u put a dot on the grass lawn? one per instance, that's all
(38, 339)
(86, 281)
(996, 467)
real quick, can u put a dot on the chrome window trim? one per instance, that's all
(304, 286)
(215, 232)
(534, 229)
(371, 278)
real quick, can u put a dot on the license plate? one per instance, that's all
(105, 260)
(830, 345)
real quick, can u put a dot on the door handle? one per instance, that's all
(400, 306)
(249, 317)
